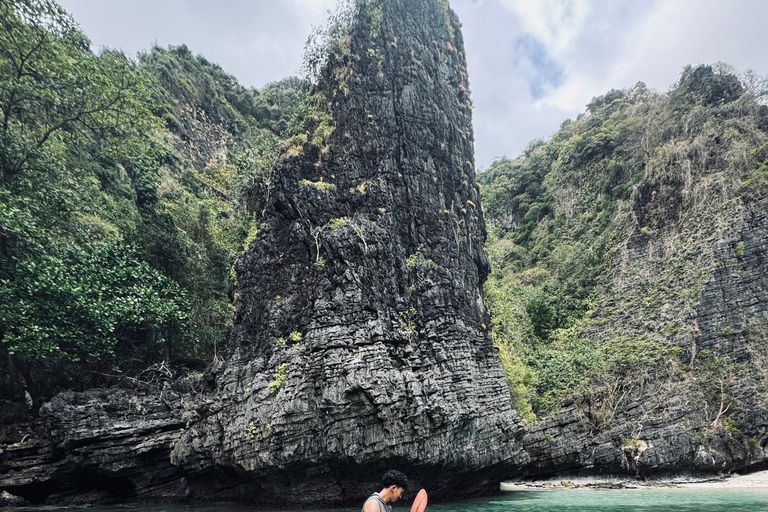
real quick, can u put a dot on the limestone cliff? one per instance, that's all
(361, 338)
(359, 308)
(652, 225)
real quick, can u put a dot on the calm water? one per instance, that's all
(629, 500)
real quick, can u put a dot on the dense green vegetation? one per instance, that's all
(559, 214)
(127, 191)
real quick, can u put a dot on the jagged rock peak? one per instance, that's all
(388, 143)
(360, 309)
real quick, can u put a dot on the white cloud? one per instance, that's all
(696, 32)
(257, 41)
(316, 9)
(653, 45)
(598, 45)
(556, 23)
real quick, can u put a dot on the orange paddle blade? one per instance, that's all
(420, 503)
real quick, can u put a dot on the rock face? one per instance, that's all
(361, 339)
(686, 279)
(661, 420)
(359, 309)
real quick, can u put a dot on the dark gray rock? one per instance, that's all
(704, 411)
(372, 260)
(9, 500)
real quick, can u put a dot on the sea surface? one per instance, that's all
(575, 500)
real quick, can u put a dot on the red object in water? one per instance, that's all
(420, 503)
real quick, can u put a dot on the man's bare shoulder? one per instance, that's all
(371, 505)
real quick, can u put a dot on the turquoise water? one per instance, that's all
(629, 500)
(577, 500)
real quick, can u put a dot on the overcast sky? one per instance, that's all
(532, 63)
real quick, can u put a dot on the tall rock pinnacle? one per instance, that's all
(363, 291)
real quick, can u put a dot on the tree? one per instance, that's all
(701, 85)
(52, 87)
(69, 117)
(80, 308)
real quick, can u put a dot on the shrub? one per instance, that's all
(281, 376)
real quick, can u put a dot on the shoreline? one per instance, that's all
(756, 480)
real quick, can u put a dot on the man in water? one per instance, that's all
(394, 483)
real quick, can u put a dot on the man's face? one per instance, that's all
(396, 493)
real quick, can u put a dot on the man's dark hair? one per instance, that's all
(394, 477)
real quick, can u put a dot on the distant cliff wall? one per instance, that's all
(636, 241)
(706, 413)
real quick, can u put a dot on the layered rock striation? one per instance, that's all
(359, 308)
(704, 413)
(361, 338)
(680, 308)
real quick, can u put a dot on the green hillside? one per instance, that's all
(128, 189)
(640, 170)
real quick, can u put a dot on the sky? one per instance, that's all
(532, 63)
